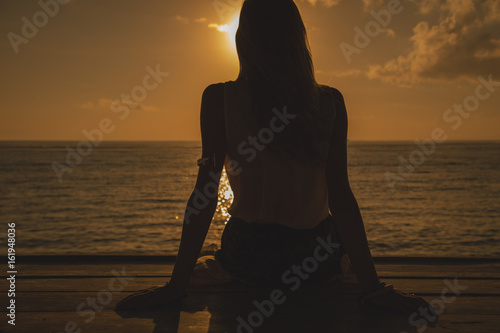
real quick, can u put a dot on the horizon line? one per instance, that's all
(199, 141)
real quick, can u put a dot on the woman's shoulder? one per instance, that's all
(337, 102)
(334, 92)
(214, 89)
(212, 101)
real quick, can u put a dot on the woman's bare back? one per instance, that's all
(270, 188)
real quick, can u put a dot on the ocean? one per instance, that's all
(128, 198)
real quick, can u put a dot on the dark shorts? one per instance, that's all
(273, 254)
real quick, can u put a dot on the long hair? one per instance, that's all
(275, 60)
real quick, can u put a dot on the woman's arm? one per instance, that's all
(203, 201)
(343, 205)
(200, 207)
(350, 226)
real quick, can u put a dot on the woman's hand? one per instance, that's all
(403, 302)
(147, 298)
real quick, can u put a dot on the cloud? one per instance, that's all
(370, 4)
(492, 10)
(389, 32)
(461, 45)
(105, 104)
(186, 20)
(351, 73)
(327, 3)
(221, 28)
(427, 6)
(87, 106)
(182, 19)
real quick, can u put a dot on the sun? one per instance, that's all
(230, 30)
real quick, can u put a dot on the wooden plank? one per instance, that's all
(489, 270)
(212, 248)
(289, 317)
(46, 304)
(95, 284)
(68, 301)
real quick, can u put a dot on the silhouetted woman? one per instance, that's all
(283, 140)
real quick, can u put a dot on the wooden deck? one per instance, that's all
(50, 291)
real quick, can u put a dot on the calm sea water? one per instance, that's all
(129, 198)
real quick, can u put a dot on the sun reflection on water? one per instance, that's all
(225, 197)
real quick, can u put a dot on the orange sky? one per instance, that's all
(401, 83)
